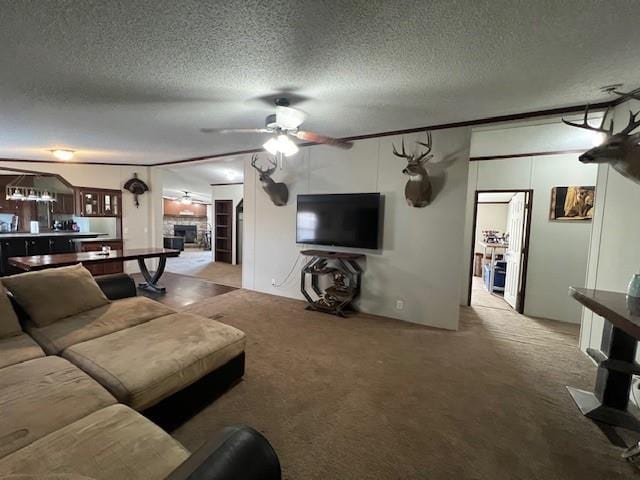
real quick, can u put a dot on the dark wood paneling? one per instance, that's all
(174, 207)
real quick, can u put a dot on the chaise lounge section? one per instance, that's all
(57, 416)
(138, 349)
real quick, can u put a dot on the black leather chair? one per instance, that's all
(240, 453)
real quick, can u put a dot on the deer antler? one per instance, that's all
(268, 171)
(254, 160)
(403, 154)
(634, 123)
(274, 166)
(428, 145)
(635, 94)
(586, 126)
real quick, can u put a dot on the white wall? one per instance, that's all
(139, 225)
(420, 259)
(558, 251)
(491, 216)
(226, 192)
(614, 254)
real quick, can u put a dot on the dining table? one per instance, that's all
(41, 262)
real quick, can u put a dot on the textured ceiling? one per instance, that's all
(133, 81)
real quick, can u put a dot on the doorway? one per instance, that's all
(500, 249)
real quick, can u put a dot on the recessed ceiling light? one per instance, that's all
(61, 154)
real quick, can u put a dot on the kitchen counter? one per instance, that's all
(50, 234)
(100, 239)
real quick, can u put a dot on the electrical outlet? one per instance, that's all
(273, 282)
(399, 304)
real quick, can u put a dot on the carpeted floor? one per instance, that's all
(373, 398)
(197, 263)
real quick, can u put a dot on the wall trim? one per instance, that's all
(62, 162)
(528, 154)
(442, 126)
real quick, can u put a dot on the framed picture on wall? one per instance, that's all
(572, 203)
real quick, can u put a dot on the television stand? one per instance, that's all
(345, 277)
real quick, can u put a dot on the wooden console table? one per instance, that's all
(41, 262)
(616, 358)
(338, 298)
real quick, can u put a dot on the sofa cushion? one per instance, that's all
(157, 358)
(9, 324)
(49, 295)
(100, 321)
(112, 443)
(42, 395)
(18, 349)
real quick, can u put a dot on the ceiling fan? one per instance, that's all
(281, 126)
(186, 199)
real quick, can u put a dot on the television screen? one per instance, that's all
(341, 220)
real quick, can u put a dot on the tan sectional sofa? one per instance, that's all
(64, 385)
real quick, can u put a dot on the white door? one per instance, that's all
(515, 227)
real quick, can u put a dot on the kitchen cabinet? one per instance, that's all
(99, 203)
(11, 248)
(61, 245)
(36, 245)
(64, 204)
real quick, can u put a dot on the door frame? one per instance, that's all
(527, 233)
(237, 241)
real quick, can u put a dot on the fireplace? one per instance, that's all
(189, 232)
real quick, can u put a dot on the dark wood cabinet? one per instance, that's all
(62, 245)
(29, 245)
(64, 204)
(98, 203)
(37, 246)
(11, 248)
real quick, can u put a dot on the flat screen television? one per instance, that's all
(340, 220)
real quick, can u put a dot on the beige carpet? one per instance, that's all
(197, 263)
(373, 398)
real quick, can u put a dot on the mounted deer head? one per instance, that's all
(277, 191)
(620, 150)
(418, 189)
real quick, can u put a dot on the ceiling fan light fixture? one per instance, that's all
(62, 154)
(186, 199)
(286, 146)
(272, 146)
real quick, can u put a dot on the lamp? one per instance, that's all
(17, 195)
(32, 195)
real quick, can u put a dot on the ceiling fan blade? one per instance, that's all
(289, 118)
(235, 130)
(315, 138)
